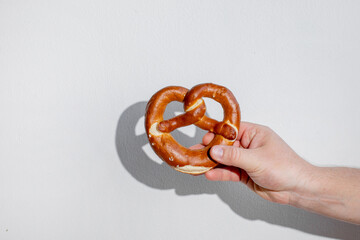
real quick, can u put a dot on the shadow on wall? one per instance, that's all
(241, 200)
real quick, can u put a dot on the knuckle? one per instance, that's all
(233, 155)
(267, 129)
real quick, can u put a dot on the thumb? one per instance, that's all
(234, 156)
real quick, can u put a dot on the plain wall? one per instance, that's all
(75, 77)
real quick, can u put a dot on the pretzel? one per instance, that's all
(182, 159)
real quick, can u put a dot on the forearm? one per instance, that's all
(333, 192)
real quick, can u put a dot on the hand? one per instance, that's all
(260, 159)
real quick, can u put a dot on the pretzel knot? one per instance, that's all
(191, 161)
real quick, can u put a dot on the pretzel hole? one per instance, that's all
(214, 109)
(173, 109)
(188, 135)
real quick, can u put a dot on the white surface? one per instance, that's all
(74, 79)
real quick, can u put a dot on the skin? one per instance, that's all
(260, 159)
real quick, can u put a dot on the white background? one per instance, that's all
(74, 80)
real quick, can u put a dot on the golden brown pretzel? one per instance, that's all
(191, 161)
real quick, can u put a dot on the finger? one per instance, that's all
(237, 143)
(230, 174)
(224, 174)
(208, 137)
(238, 157)
(197, 146)
(249, 134)
(244, 177)
(243, 127)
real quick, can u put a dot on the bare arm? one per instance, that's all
(334, 192)
(267, 165)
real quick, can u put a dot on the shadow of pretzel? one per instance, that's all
(241, 200)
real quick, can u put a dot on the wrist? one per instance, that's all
(306, 189)
(322, 192)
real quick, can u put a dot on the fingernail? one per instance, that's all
(217, 152)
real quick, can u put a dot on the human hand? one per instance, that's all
(260, 159)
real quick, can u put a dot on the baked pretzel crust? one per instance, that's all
(191, 161)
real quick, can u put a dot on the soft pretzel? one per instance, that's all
(191, 161)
